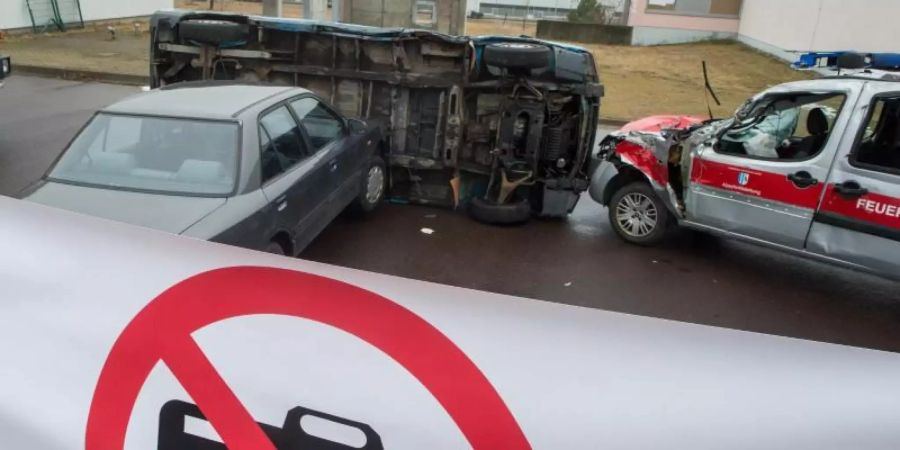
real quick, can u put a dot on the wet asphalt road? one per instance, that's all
(693, 278)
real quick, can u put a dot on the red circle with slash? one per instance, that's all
(162, 332)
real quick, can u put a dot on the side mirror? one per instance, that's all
(356, 126)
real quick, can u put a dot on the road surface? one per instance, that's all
(579, 261)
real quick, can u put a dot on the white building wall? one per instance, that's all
(14, 13)
(785, 28)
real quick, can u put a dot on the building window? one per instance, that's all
(713, 8)
(425, 14)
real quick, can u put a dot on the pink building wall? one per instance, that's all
(637, 17)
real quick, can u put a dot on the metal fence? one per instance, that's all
(48, 15)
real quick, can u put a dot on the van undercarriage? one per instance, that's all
(502, 124)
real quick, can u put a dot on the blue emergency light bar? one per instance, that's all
(813, 60)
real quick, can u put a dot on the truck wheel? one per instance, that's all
(213, 32)
(517, 55)
(488, 212)
(371, 192)
(638, 215)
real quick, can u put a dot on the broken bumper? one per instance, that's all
(600, 179)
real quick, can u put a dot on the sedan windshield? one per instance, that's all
(155, 154)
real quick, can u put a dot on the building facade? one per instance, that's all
(784, 28)
(15, 14)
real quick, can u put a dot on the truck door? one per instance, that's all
(764, 177)
(859, 220)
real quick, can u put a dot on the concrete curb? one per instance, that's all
(82, 75)
(618, 123)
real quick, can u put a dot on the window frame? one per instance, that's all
(415, 15)
(793, 160)
(238, 166)
(870, 109)
(261, 129)
(342, 121)
(665, 12)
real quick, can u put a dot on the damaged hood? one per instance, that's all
(661, 122)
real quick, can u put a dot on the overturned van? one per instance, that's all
(501, 125)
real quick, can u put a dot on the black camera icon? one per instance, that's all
(291, 436)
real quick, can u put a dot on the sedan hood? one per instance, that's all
(170, 213)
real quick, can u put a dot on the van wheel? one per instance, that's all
(372, 191)
(638, 215)
(486, 211)
(213, 32)
(517, 55)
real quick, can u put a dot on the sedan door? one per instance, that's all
(292, 175)
(329, 138)
(766, 182)
(859, 221)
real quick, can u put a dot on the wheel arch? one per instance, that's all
(283, 238)
(628, 174)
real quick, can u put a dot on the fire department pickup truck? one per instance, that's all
(811, 167)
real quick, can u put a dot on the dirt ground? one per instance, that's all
(639, 80)
(663, 79)
(90, 49)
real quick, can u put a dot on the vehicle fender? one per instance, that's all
(610, 176)
(601, 180)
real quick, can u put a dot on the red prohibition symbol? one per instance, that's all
(162, 332)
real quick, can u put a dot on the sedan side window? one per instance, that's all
(281, 144)
(321, 125)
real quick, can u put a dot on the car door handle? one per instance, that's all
(850, 189)
(281, 202)
(333, 164)
(802, 179)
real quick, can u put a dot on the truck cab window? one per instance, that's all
(792, 126)
(879, 147)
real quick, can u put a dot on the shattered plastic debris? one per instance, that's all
(567, 284)
(427, 230)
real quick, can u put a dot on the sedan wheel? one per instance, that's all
(371, 189)
(374, 184)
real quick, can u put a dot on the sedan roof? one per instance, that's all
(209, 100)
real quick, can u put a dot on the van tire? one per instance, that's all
(638, 215)
(213, 32)
(517, 55)
(485, 211)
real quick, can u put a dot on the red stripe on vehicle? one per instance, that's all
(873, 208)
(645, 161)
(756, 183)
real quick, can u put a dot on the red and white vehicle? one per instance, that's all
(811, 167)
(115, 337)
